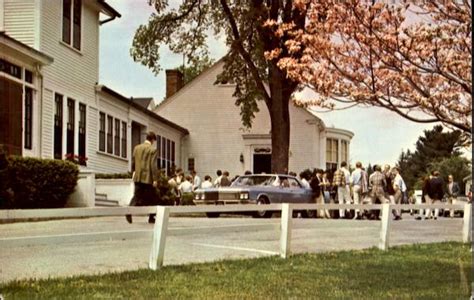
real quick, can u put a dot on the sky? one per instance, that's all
(379, 135)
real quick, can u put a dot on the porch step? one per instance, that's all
(101, 200)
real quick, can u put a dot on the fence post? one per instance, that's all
(286, 222)
(159, 237)
(385, 227)
(467, 223)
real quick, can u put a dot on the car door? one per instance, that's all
(285, 191)
(298, 194)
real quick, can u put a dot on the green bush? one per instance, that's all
(39, 183)
(113, 175)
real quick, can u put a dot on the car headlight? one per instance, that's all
(203, 196)
(196, 197)
(244, 196)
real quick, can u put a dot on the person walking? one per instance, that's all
(316, 186)
(435, 193)
(400, 189)
(196, 180)
(145, 175)
(342, 181)
(356, 183)
(452, 191)
(377, 183)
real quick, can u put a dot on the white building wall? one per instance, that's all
(73, 74)
(19, 17)
(216, 132)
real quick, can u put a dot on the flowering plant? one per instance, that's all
(77, 159)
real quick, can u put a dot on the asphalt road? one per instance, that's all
(109, 244)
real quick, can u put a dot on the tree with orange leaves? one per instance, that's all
(413, 58)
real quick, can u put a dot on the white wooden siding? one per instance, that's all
(73, 73)
(216, 132)
(47, 127)
(19, 20)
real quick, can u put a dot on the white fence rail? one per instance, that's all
(160, 231)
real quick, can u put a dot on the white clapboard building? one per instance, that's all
(52, 106)
(217, 139)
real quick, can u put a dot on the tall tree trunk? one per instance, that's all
(280, 120)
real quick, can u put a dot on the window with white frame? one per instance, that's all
(344, 150)
(166, 149)
(72, 14)
(112, 135)
(332, 149)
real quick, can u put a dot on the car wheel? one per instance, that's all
(213, 214)
(262, 213)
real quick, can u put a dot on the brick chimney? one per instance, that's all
(174, 82)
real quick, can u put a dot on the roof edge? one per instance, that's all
(128, 101)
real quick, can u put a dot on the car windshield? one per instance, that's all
(254, 180)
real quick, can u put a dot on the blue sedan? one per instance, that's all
(257, 189)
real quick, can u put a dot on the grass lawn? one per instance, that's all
(427, 271)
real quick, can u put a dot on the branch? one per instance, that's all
(245, 55)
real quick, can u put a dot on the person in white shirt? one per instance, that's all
(356, 183)
(207, 182)
(196, 180)
(186, 189)
(217, 182)
(400, 189)
(344, 192)
(304, 180)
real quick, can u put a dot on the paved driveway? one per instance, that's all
(108, 244)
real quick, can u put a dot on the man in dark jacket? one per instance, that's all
(145, 175)
(435, 192)
(452, 191)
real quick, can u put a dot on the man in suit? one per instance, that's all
(145, 175)
(435, 193)
(453, 191)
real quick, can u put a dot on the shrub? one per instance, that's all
(39, 183)
(113, 175)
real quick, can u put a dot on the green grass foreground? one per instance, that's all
(417, 271)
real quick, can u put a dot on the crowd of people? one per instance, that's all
(336, 186)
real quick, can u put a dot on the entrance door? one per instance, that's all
(262, 163)
(136, 134)
(11, 116)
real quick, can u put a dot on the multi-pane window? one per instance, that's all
(28, 118)
(82, 130)
(112, 135)
(70, 126)
(166, 153)
(190, 164)
(58, 126)
(72, 10)
(124, 139)
(102, 132)
(110, 126)
(344, 148)
(332, 150)
(117, 137)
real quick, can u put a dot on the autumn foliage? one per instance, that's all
(413, 57)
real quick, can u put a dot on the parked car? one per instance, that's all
(257, 189)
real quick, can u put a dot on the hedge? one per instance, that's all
(113, 175)
(38, 183)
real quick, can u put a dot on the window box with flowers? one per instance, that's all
(77, 159)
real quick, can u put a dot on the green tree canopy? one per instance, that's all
(249, 30)
(434, 146)
(195, 67)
